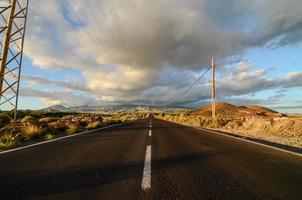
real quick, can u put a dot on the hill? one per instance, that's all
(224, 108)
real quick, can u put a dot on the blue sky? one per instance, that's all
(102, 53)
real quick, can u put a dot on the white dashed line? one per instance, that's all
(150, 133)
(146, 182)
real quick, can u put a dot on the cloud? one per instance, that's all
(53, 97)
(149, 51)
(68, 84)
(293, 79)
(232, 86)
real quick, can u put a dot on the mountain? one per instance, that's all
(111, 108)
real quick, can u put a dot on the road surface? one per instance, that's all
(131, 162)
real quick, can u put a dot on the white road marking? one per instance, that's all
(146, 181)
(60, 138)
(150, 125)
(150, 133)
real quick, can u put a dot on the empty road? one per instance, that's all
(150, 159)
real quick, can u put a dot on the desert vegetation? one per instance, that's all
(251, 121)
(36, 126)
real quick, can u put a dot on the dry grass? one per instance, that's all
(93, 125)
(278, 129)
(31, 132)
(48, 136)
(47, 120)
(7, 138)
(72, 129)
(46, 126)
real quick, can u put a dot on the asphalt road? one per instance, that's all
(186, 163)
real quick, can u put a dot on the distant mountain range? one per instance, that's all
(112, 108)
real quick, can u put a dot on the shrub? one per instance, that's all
(93, 125)
(29, 119)
(31, 132)
(4, 119)
(48, 136)
(47, 120)
(68, 117)
(50, 130)
(6, 138)
(72, 129)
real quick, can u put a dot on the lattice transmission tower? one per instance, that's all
(13, 17)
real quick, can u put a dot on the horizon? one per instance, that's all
(277, 109)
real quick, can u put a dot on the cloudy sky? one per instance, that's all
(149, 52)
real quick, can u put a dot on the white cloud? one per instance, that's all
(148, 51)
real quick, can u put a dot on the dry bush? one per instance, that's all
(93, 125)
(72, 129)
(31, 132)
(68, 117)
(48, 136)
(6, 138)
(47, 120)
(29, 119)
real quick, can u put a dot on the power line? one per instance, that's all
(116, 21)
(116, 36)
(98, 24)
(189, 88)
(89, 34)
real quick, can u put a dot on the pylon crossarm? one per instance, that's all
(2, 29)
(14, 40)
(21, 11)
(4, 9)
(11, 70)
(13, 58)
(8, 100)
(10, 87)
(12, 53)
(16, 32)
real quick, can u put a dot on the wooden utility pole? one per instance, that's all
(213, 89)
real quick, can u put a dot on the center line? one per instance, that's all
(150, 133)
(146, 182)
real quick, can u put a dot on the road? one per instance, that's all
(185, 163)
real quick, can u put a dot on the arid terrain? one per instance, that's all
(38, 126)
(251, 121)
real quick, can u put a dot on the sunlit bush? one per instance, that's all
(72, 129)
(31, 132)
(29, 119)
(93, 125)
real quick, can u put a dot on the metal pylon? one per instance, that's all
(13, 17)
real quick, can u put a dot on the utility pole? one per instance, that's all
(13, 17)
(213, 90)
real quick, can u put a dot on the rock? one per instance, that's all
(281, 115)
